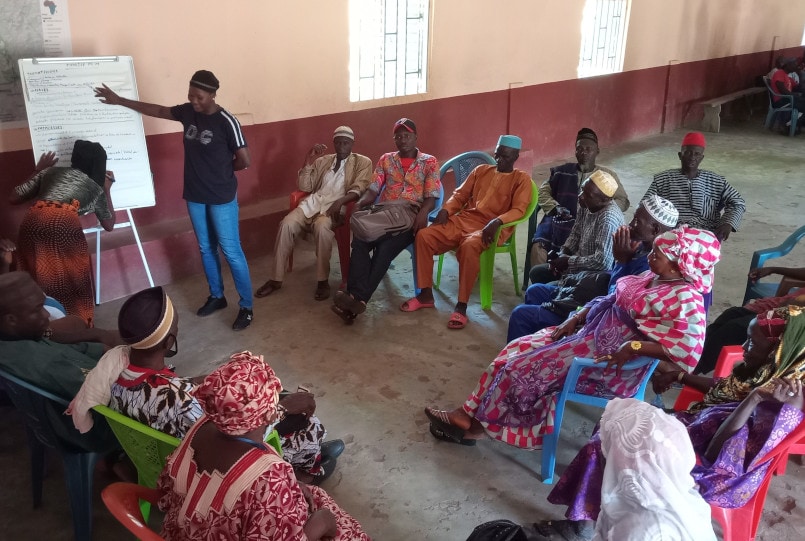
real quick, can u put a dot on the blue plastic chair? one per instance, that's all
(431, 216)
(47, 426)
(569, 394)
(759, 289)
(789, 107)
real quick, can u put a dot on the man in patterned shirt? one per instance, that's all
(704, 199)
(589, 246)
(406, 175)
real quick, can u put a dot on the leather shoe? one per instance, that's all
(331, 449)
(213, 304)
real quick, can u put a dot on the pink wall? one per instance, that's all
(619, 107)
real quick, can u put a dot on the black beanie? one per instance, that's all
(205, 80)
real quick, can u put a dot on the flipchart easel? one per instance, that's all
(61, 108)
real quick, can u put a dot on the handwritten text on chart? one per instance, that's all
(62, 107)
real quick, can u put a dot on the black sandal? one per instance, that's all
(348, 303)
(346, 315)
(454, 433)
(322, 292)
(439, 434)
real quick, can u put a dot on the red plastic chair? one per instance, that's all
(741, 524)
(123, 501)
(343, 235)
(726, 360)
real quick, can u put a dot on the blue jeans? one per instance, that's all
(530, 317)
(217, 225)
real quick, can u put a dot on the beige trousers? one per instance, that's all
(294, 223)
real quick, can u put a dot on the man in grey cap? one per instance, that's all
(333, 181)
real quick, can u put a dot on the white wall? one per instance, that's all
(284, 60)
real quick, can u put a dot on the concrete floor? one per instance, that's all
(372, 379)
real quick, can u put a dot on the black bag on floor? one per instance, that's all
(498, 530)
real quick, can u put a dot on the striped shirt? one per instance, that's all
(590, 242)
(706, 202)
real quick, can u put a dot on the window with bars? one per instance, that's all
(388, 48)
(603, 37)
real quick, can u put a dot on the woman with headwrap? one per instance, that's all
(658, 313)
(52, 247)
(134, 380)
(648, 492)
(223, 482)
(214, 148)
(741, 419)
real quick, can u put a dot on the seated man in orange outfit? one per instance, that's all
(468, 221)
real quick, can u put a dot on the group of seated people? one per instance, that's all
(607, 291)
(407, 181)
(222, 419)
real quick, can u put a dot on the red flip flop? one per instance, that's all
(413, 304)
(457, 321)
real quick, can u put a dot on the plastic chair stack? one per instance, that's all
(757, 290)
(569, 394)
(48, 427)
(123, 501)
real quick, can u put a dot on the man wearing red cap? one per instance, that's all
(406, 175)
(704, 199)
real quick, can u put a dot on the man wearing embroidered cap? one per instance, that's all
(333, 181)
(559, 196)
(549, 304)
(589, 245)
(704, 199)
(468, 221)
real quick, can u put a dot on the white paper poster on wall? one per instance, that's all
(28, 29)
(62, 108)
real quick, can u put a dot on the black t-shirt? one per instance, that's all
(210, 142)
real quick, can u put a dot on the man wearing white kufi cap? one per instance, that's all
(589, 246)
(333, 181)
(631, 246)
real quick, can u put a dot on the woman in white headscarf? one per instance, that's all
(648, 492)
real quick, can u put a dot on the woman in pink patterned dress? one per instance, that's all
(659, 313)
(223, 482)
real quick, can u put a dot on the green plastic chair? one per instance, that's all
(148, 448)
(486, 276)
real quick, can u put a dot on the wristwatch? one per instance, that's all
(636, 345)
